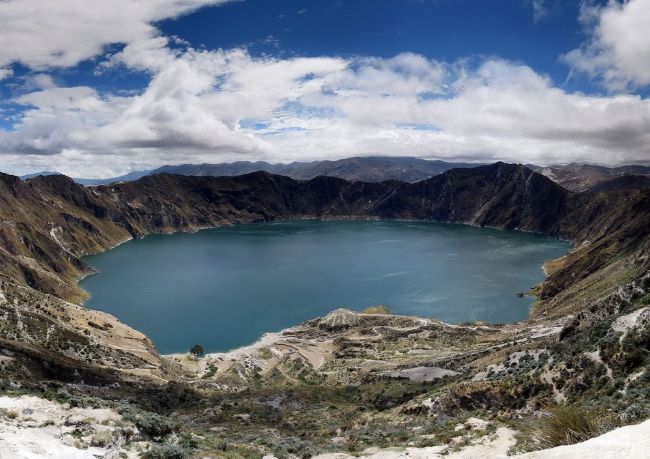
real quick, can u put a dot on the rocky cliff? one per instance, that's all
(49, 222)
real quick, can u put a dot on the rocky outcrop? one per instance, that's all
(44, 337)
(338, 320)
(583, 177)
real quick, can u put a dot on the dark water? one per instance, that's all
(225, 287)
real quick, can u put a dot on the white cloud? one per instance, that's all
(224, 105)
(37, 81)
(53, 33)
(5, 72)
(210, 106)
(618, 50)
(540, 11)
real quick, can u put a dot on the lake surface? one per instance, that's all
(225, 287)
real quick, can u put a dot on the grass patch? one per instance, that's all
(264, 353)
(567, 425)
(564, 425)
(211, 371)
(379, 309)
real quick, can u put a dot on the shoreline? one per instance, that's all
(528, 293)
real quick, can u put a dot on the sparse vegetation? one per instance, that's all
(9, 414)
(210, 371)
(264, 353)
(151, 424)
(166, 451)
(102, 439)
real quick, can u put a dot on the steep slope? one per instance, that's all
(47, 223)
(500, 195)
(625, 182)
(43, 337)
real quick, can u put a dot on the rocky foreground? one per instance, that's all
(342, 383)
(35, 428)
(361, 383)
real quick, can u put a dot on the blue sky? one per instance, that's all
(126, 85)
(444, 30)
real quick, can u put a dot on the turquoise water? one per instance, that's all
(225, 287)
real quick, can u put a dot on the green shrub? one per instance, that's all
(166, 451)
(211, 371)
(645, 300)
(150, 424)
(635, 413)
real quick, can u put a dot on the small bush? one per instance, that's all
(150, 424)
(211, 371)
(166, 451)
(635, 413)
(102, 439)
(645, 300)
(9, 414)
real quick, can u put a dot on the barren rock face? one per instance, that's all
(339, 319)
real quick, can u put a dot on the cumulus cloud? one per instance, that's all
(618, 49)
(225, 105)
(52, 33)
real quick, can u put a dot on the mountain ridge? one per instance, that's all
(574, 176)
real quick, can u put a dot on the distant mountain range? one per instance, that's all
(581, 177)
(131, 176)
(367, 169)
(574, 177)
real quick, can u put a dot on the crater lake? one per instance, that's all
(225, 287)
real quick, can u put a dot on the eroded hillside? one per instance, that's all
(347, 381)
